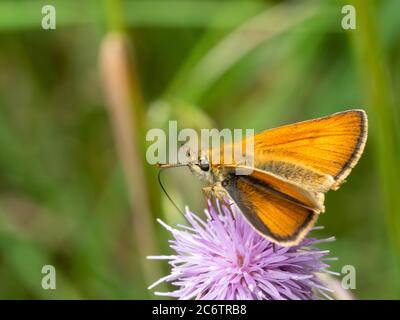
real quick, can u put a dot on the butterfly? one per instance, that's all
(293, 166)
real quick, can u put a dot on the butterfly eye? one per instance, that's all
(204, 165)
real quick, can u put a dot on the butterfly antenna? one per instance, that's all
(166, 193)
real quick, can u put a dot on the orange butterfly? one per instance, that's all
(293, 166)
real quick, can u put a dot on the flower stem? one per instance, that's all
(125, 106)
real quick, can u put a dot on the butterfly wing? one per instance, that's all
(276, 215)
(316, 154)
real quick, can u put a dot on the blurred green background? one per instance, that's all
(76, 102)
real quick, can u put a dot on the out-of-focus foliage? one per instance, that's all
(228, 64)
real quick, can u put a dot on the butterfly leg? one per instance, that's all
(216, 191)
(210, 194)
(207, 192)
(221, 194)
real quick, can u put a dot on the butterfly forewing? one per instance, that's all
(316, 154)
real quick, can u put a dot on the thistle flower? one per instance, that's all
(224, 258)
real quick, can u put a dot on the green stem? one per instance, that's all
(126, 109)
(115, 19)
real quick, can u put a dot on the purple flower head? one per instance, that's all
(225, 258)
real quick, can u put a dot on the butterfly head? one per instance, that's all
(197, 161)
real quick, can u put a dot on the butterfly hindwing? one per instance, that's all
(274, 214)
